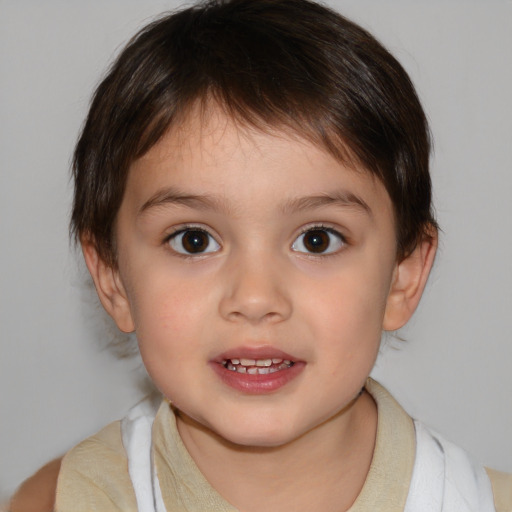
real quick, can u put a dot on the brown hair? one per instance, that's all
(284, 63)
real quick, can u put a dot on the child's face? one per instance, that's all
(235, 244)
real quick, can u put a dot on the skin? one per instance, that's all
(257, 200)
(37, 494)
(255, 286)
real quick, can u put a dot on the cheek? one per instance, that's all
(351, 301)
(347, 315)
(168, 326)
(166, 311)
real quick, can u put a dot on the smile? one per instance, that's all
(257, 366)
(258, 370)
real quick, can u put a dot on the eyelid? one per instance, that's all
(179, 228)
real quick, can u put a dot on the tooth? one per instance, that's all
(230, 367)
(277, 361)
(263, 371)
(287, 362)
(241, 369)
(235, 361)
(224, 362)
(263, 362)
(252, 370)
(247, 362)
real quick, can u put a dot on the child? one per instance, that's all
(252, 197)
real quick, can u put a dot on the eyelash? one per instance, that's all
(182, 230)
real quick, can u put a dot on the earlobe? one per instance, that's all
(409, 280)
(109, 287)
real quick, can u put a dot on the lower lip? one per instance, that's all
(258, 384)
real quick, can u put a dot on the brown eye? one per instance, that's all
(316, 241)
(319, 241)
(193, 241)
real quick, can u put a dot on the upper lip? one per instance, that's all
(260, 352)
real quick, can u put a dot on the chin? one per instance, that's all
(259, 435)
(257, 440)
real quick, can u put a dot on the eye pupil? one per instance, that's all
(195, 241)
(316, 240)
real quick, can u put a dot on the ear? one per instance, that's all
(409, 280)
(109, 287)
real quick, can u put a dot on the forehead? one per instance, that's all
(210, 153)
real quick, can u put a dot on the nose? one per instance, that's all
(255, 291)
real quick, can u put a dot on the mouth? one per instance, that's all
(257, 366)
(257, 370)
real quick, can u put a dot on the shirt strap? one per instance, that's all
(445, 478)
(136, 431)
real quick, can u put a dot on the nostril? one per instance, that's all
(253, 316)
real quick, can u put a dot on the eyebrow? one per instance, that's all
(341, 198)
(173, 196)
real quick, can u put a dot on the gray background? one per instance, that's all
(59, 382)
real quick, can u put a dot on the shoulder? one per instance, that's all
(502, 489)
(94, 475)
(37, 493)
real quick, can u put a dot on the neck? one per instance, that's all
(324, 469)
